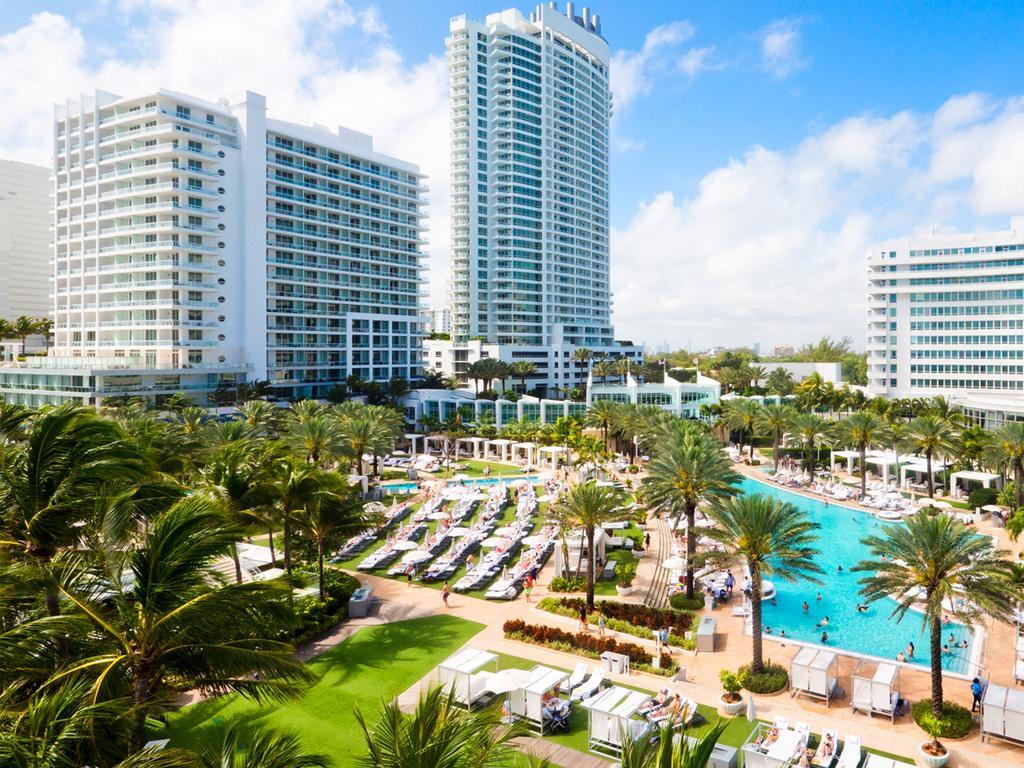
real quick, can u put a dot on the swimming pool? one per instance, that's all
(402, 488)
(872, 633)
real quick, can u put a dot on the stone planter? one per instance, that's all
(932, 761)
(731, 708)
(624, 591)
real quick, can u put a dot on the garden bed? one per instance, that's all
(628, 618)
(587, 644)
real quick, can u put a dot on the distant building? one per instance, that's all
(682, 399)
(782, 351)
(829, 372)
(946, 315)
(437, 320)
(25, 252)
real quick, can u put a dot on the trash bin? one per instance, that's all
(616, 663)
(359, 603)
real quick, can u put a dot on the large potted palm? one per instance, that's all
(933, 753)
(731, 700)
(942, 560)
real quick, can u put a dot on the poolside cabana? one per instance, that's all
(442, 443)
(527, 703)
(552, 452)
(413, 439)
(1002, 714)
(524, 450)
(814, 672)
(849, 457)
(760, 751)
(883, 461)
(465, 675)
(498, 448)
(876, 687)
(610, 718)
(576, 545)
(474, 441)
(920, 467)
(985, 478)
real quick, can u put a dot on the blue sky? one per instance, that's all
(759, 148)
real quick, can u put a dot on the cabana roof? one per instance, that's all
(979, 476)
(524, 445)
(553, 448)
(501, 441)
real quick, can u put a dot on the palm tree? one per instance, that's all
(581, 356)
(259, 748)
(742, 414)
(780, 382)
(776, 420)
(23, 327)
(262, 416)
(587, 506)
(438, 734)
(756, 373)
(861, 430)
(48, 481)
(932, 436)
(812, 431)
(44, 327)
(153, 618)
(621, 366)
(317, 437)
(366, 431)
(956, 571)
(296, 483)
(601, 415)
(522, 370)
(602, 369)
(688, 467)
(773, 539)
(1005, 448)
(664, 749)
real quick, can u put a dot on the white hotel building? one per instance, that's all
(946, 317)
(24, 240)
(531, 106)
(198, 244)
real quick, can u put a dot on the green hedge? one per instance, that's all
(564, 607)
(681, 602)
(956, 721)
(313, 617)
(772, 679)
(564, 584)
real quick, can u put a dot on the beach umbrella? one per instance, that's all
(417, 556)
(405, 545)
(455, 533)
(940, 504)
(493, 541)
(438, 515)
(546, 498)
(532, 541)
(507, 530)
(507, 680)
(673, 563)
(991, 508)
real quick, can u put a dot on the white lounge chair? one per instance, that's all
(782, 723)
(803, 728)
(851, 755)
(590, 687)
(577, 677)
(821, 760)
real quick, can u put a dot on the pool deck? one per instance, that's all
(733, 649)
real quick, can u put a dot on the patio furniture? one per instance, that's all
(590, 687)
(527, 703)
(814, 672)
(852, 753)
(1002, 714)
(875, 688)
(360, 602)
(577, 677)
(463, 673)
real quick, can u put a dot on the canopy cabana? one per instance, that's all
(527, 703)
(814, 672)
(849, 456)
(1002, 714)
(498, 448)
(610, 719)
(576, 545)
(552, 452)
(474, 441)
(876, 687)
(985, 478)
(883, 461)
(413, 439)
(463, 673)
(919, 466)
(524, 449)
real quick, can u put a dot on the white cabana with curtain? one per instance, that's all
(883, 461)
(474, 441)
(465, 675)
(527, 703)
(814, 672)
(552, 452)
(848, 456)
(876, 686)
(919, 466)
(985, 478)
(524, 451)
(498, 448)
(414, 442)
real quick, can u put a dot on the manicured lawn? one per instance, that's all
(475, 468)
(374, 664)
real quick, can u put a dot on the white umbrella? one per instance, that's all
(405, 545)
(941, 504)
(507, 680)
(532, 541)
(455, 533)
(546, 497)
(417, 556)
(674, 562)
(506, 530)
(493, 541)
(751, 715)
(992, 508)
(437, 515)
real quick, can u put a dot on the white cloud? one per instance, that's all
(632, 72)
(695, 61)
(315, 60)
(780, 48)
(772, 245)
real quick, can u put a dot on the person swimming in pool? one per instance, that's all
(806, 607)
(862, 607)
(824, 638)
(910, 650)
(822, 623)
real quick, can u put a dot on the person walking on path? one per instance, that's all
(600, 624)
(647, 540)
(445, 592)
(528, 586)
(976, 691)
(583, 618)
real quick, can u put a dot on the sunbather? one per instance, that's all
(658, 701)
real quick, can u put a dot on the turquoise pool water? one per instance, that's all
(403, 488)
(874, 632)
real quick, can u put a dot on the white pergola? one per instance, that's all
(920, 467)
(441, 441)
(985, 478)
(553, 452)
(849, 456)
(414, 441)
(476, 442)
(883, 461)
(524, 448)
(501, 444)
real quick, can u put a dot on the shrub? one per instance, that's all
(566, 584)
(730, 684)
(773, 679)
(981, 497)
(313, 617)
(570, 608)
(1008, 496)
(625, 570)
(586, 644)
(634, 613)
(955, 723)
(681, 602)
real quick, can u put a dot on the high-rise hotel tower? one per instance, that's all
(530, 116)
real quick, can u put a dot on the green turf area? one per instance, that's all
(475, 468)
(376, 663)
(606, 587)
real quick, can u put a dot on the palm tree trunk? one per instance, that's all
(270, 543)
(931, 481)
(320, 566)
(288, 543)
(757, 662)
(691, 547)
(238, 563)
(1018, 466)
(751, 445)
(936, 662)
(863, 471)
(591, 567)
(775, 451)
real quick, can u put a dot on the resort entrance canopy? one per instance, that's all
(985, 478)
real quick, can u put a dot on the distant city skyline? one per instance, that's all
(756, 155)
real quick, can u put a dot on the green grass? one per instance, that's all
(376, 663)
(475, 468)
(606, 587)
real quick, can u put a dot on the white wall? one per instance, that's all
(24, 240)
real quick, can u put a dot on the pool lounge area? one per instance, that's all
(405, 488)
(872, 633)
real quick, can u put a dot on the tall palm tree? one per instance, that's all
(259, 748)
(581, 356)
(438, 734)
(296, 485)
(861, 430)
(317, 438)
(812, 431)
(363, 433)
(262, 416)
(957, 571)
(622, 367)
(601, 415)
(23, 327)
(743, 414)
(776, 419)
(773, 539)
(44, 327)
(522, 370)
(587, 506)
(47, 483)
(688, 467)
(932, 436)
(1005, 448)
(602, 369)
(153, 617)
